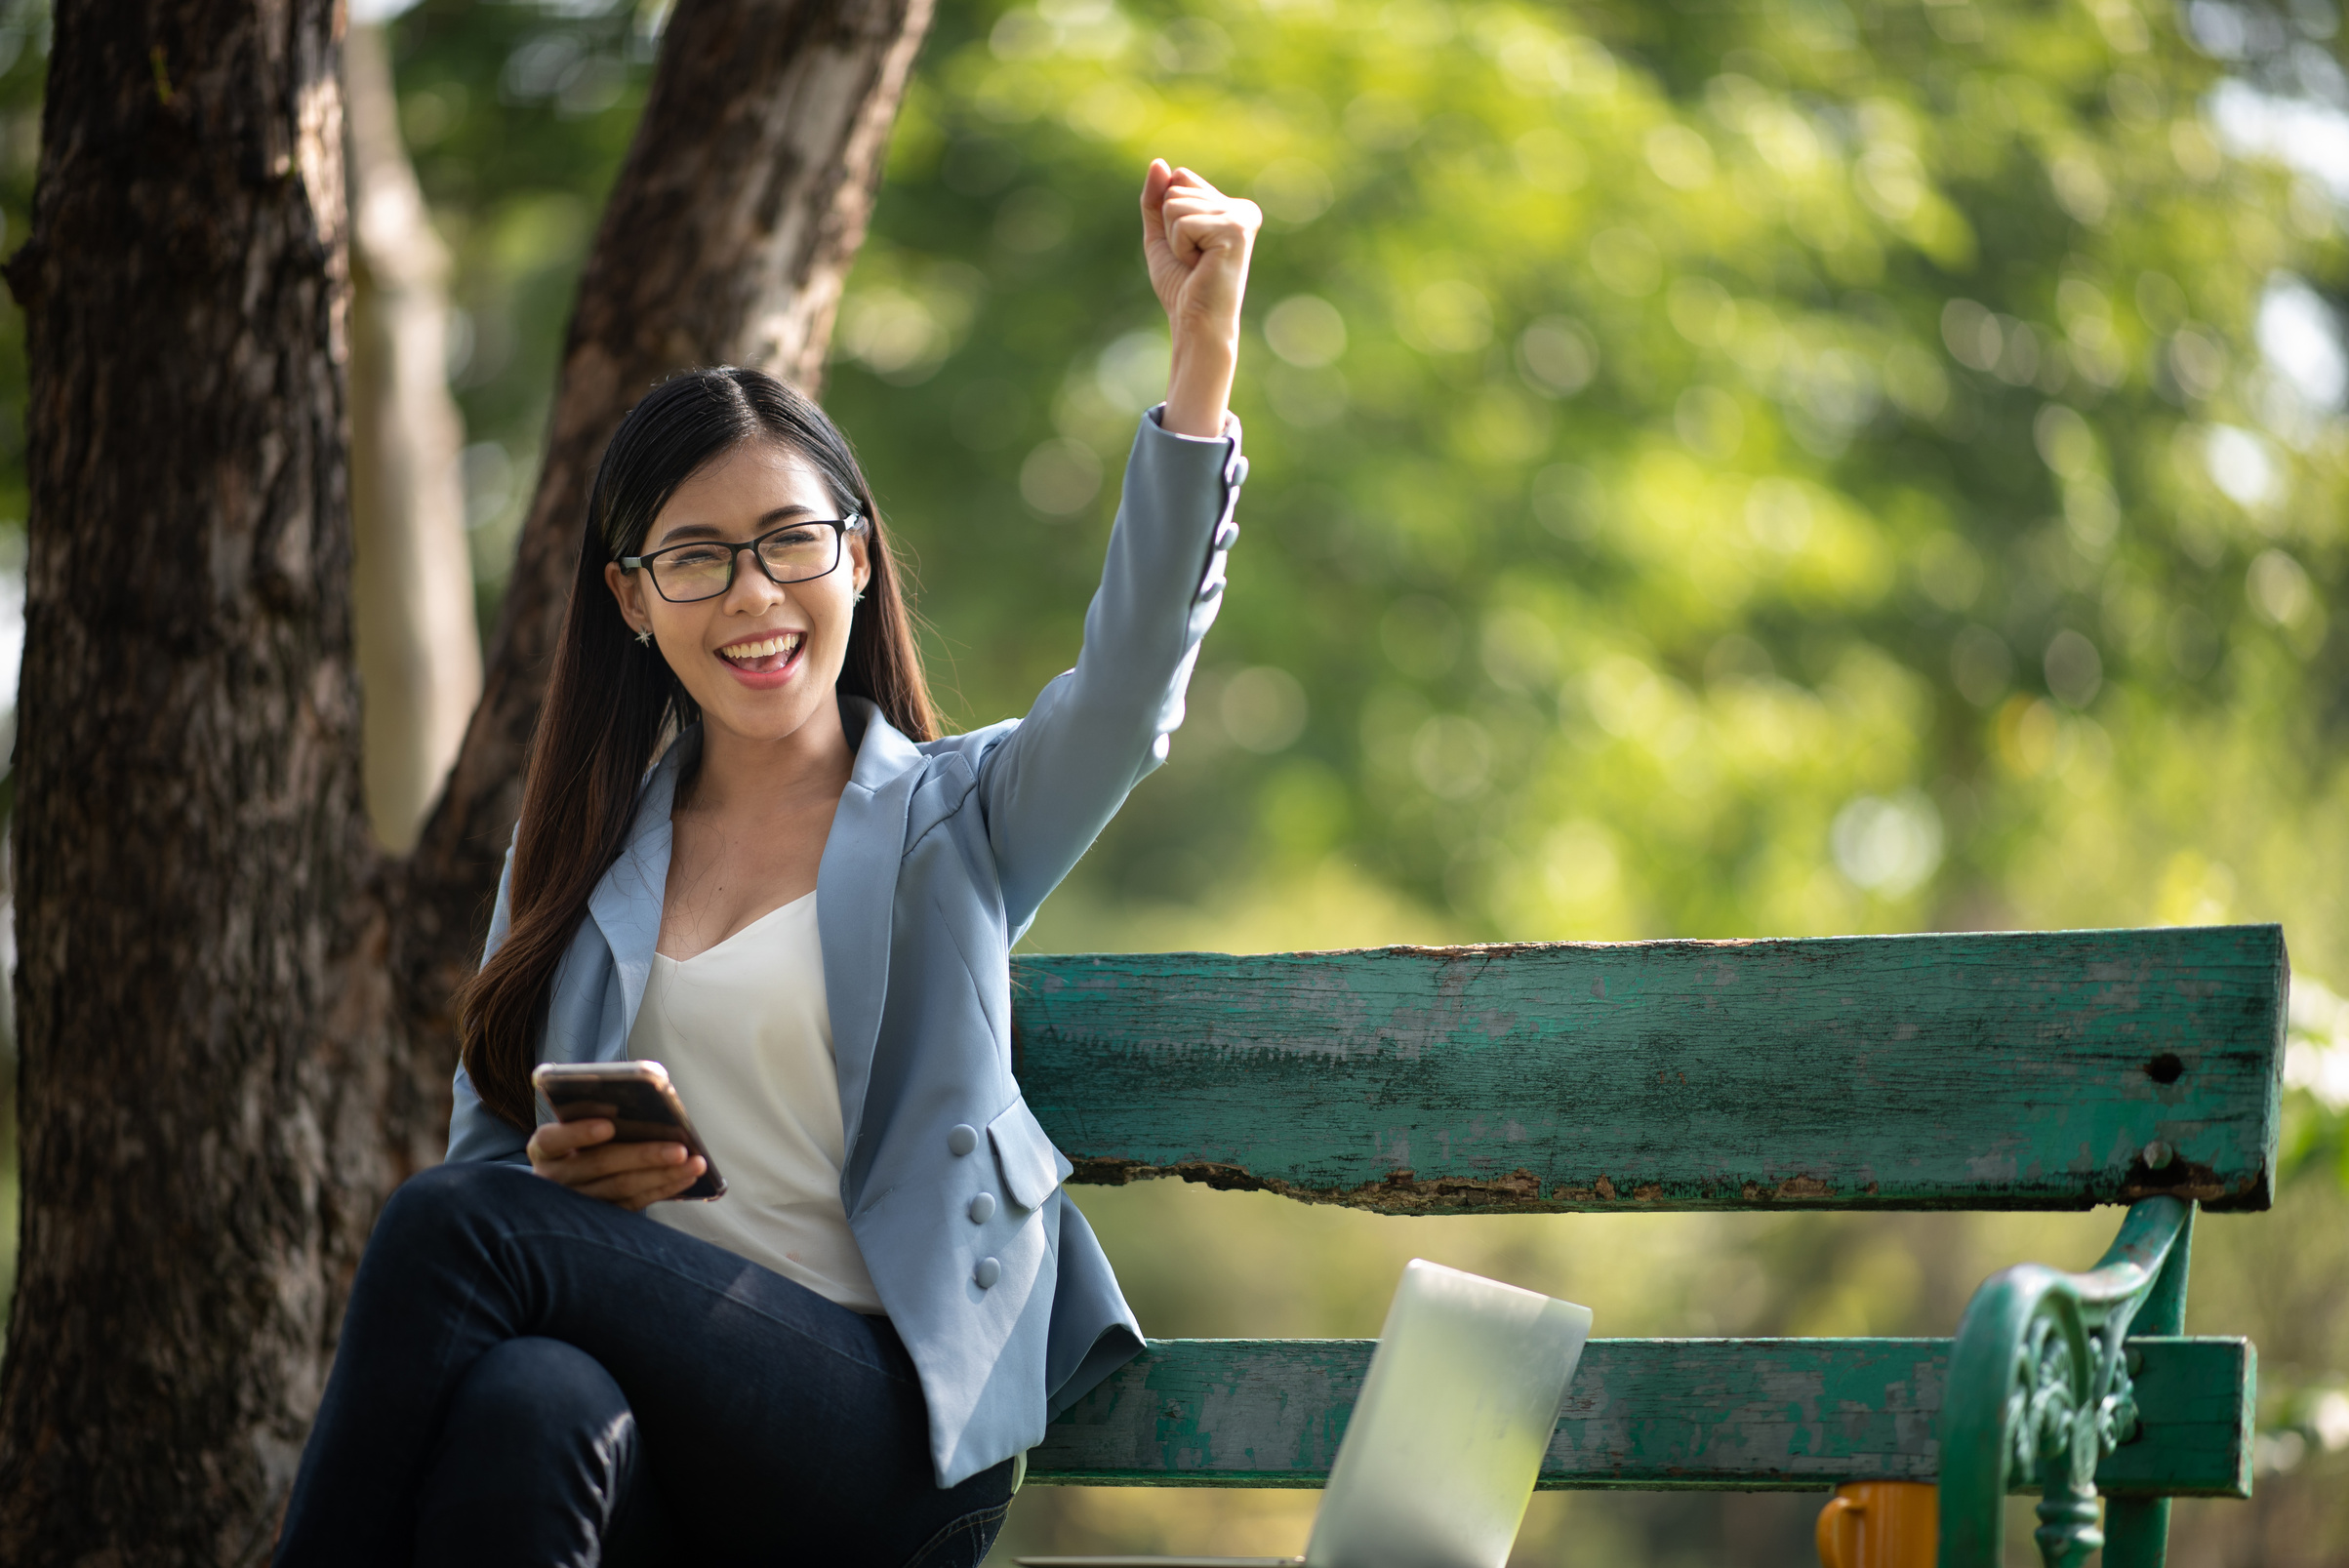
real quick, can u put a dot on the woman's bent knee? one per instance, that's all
(542, 1383)
(429, 1205)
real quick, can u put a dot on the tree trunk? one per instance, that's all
(232, 1012)
(727, 240)
(419, 653)
(199, 989)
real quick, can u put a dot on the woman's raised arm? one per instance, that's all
(1053, 783)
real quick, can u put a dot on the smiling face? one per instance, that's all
(760, 658)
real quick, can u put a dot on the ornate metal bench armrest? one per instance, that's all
(2039, 1389)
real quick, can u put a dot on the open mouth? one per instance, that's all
(764, 655)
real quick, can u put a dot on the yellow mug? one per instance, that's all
(1881, 1524)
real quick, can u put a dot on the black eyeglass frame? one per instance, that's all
(841, 528)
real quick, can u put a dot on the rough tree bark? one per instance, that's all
(420, 655)
(233, 1009)
(204, 1017)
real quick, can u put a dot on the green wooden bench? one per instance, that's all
(2023, 1070)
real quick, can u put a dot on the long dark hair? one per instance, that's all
(611, 703)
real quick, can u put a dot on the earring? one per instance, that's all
(858, 597)
(644, 638)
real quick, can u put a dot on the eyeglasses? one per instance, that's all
(702, 570)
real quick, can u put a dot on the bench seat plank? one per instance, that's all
(1998, 1071)
(1744, 1414)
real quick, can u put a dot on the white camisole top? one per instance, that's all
(745, 1034)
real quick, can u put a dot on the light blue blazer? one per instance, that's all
(937, 860)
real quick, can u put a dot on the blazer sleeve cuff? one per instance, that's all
(1207, 583)
(1230, 432)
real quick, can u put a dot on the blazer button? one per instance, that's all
(962, 1139)
(987, 1274)
(983, 1208)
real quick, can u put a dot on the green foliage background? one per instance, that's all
(1719, 469)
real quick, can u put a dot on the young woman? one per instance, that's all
(805, 909)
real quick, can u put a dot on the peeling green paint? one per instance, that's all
(1992, 1070)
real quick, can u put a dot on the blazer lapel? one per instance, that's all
(626, 902)
(856, 898)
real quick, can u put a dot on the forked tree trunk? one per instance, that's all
(232, 1011)
(204, 1018)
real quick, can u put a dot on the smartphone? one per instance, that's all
(639, 1101)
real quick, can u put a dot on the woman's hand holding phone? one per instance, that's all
(581, 1157)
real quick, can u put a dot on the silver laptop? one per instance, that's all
(1440, 1455)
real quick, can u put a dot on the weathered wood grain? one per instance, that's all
(1981, 1071)
(1744, 1414)
(2183, 1395)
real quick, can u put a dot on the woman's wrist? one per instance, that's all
(1199, 386)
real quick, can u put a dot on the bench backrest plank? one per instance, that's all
(1646, 1414)
(1991, 1070)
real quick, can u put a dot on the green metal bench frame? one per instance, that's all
(2007, 1071)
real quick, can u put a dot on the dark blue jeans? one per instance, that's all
(529, 1377)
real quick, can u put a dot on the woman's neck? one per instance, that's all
(740, 773)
